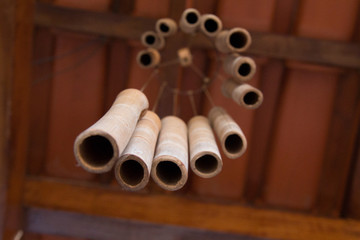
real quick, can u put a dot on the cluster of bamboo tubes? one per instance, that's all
(138, 145)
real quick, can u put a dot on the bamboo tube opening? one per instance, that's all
(189, 20)
(239, 67)
(132, 172)
(148, 58)
(251, 98)
(168, 172)
(206, 164)
(231, 137)
(244, 69)
(153, 40)
(192, 17)
(233, 143)
(210, 25)
(96, 150)
(166, 27)
(238, 39)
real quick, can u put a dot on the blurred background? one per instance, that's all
(63, 62)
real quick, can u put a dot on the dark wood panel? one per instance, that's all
(18, 40)
(340, 146)
(264, 44)
(52, 222)
(40, 96)
(184, 211)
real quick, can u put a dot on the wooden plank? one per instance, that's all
(352, 205)
(7, 28)
(18, 40)
(340, 146)
(184, 211)
(46, 221)
(333, 53)
(40, 99)
(272, 80)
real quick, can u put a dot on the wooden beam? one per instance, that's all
(332, 53)
(183, 211)
(71, 224)
(340, 147)
(19, 42)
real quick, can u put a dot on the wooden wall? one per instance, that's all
(303, 153)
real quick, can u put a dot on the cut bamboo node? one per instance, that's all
(243, 94)
(170, 165)
(132, 170)
(152, 39)
(210, 25)
(97, 148)
(205, 158)
(234, 40)
(239, 67)
(166, 27)
(185, 56)
(189, 20)
(148, 58)
(233, 141)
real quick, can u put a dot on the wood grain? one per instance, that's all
(334, 53)
(18, 30)
(184, 211)
(72, 224)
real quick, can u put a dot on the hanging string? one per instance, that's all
(72, 67)
(70, 52)
(209, 97)
(152, 75)
(169, 63)
(192, 102)
(158, 97)
(175, 102)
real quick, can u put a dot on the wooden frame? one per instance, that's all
(95, 199)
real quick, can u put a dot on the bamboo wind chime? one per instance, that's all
(137, 144)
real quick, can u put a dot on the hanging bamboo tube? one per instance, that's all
(166, 27)
(243, 94)
(98, 147)
(152, 40)
(170, 165)
(148, 58)
(239, 67)
(132, 170)
(205, 159)
(234, 40)
(189, 20)
(233, 141)
(210, 25)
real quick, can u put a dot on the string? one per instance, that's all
(209, 97)
(68, 53)
(152, 75)
(175, 102)
(158, 97)
(72, 67)
(169, 63)
(192, 102)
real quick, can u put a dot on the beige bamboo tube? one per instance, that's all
(189, 20)
(148, 58)
(166, 27)
(233, 141)
(239, 67)
(205, 158)
(132, 170)
(98, 147)
(152, 39)
(210, 25)
(170, 165)
(234, 40)
(243, 94)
